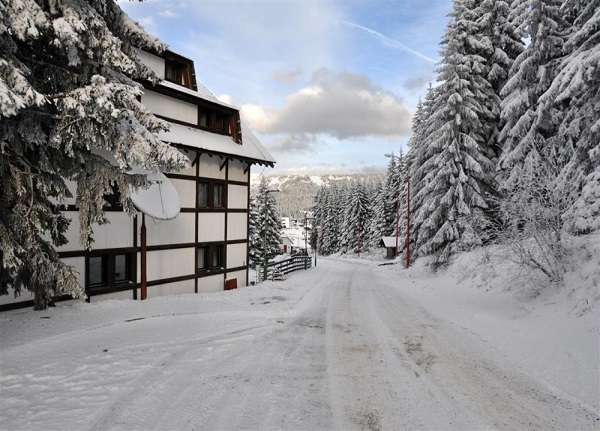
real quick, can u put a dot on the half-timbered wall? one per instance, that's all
(205, 245)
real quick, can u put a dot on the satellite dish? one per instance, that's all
(160, 200)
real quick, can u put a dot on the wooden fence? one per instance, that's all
(286, 266)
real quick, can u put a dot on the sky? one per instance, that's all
(327, 86)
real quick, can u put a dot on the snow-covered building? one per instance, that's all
(294, 240)
(207, 243)
(392, 245)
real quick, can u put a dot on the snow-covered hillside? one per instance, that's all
(297, 192)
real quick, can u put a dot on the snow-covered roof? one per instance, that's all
(296, 237)
(202, 93)
(390, 241)
(251, 149)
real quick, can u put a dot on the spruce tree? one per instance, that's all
(391, 196)
(452, 177)
(529, 127)
(256, 245)
(417, 156)
(378, 227)
(576, 93)
(356, 219)
(499, 46)
(67, 91)
(400, 222)
(333, 218)
(265, 225)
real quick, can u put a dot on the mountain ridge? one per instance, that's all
(298, 191)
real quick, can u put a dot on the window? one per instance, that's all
(211, 195)
(217, 257)
(203, 194)
(203, 120)
(110, 269)
(218, 196)
(170, 71)
(177, 73)
(202, 255)
(98, 270)
(121, 268)
(219, 122)
(211, 258)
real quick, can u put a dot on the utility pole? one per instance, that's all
(408, 223)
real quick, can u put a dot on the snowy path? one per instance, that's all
(335, 347)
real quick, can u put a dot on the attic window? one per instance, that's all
(177, 73)
(220, 122)
(217, 122)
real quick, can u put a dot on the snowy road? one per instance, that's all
(335, 347)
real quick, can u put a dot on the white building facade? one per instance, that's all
(208, 242)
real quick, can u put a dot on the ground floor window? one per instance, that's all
(110, 269)
(211, 257)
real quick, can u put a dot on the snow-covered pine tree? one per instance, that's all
(318, 211)
(417, 131)
(392, 183)
(400, 222)
(67, 71)
(416, 156)
(330, 236)
(265, 223)
(453, 175)
(499, 46)
(357, 214)
(256, 251)
(371, 240)
(576, 92)
(320, 214)
(378, 226)
(528, 130)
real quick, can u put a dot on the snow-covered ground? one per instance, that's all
(346, 345)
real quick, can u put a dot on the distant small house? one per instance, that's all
(389, 242)
(286, 243)
(294, 238)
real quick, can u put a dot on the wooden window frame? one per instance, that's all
(217, 121)
(108, 267)
(210, 252)
(211, 188)
(181, 71)
(205, 260)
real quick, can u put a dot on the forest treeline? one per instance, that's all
(505, 147)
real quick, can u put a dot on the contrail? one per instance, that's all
(388, 41)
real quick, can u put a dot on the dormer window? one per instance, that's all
(177, 73)
(220, 122)
(203, 120)
(217, 122)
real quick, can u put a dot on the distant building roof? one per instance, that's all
(389, 241)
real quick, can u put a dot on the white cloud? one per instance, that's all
(168, 13)
(343, 105)
(257, 117)
(294, 143)
(286, 76)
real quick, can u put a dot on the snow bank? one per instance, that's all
(553, 335)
